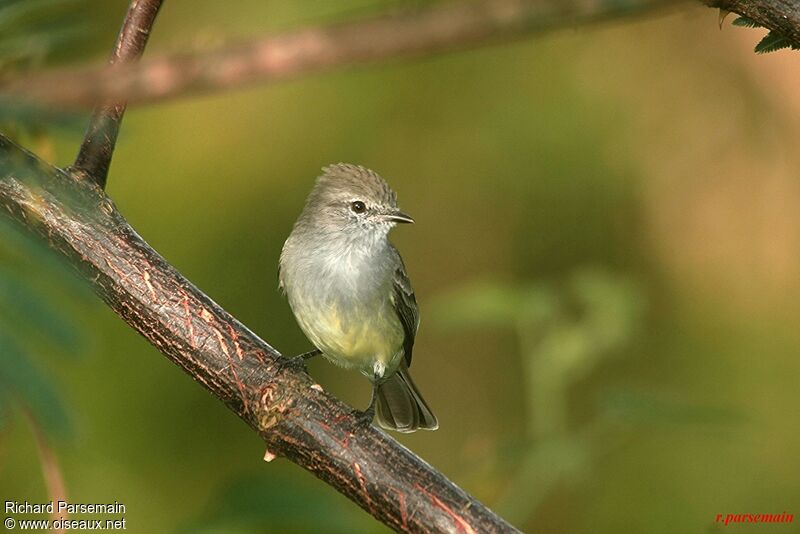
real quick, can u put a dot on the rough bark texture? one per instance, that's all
(287, 409)
(450, 25)
(783, 16)
(94, 157)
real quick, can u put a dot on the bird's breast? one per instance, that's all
(343, 305)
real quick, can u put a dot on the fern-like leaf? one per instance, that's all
(773, 41)
(745, 23)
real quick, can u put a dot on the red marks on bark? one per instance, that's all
(362, 481)
(235, 338)
(150, 287)
(260, 356)
(189, 322)
(336, 428)
(273, 404)
(267, 396)
(235, 375)
(401, 501)
(223, 345)
(121, 275)
(339, 418)
(208, 318)
(461, 523)
(330, 432)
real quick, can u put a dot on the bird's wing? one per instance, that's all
(281, 285)
(406, 307)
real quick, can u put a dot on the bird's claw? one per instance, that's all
(365, 418)
(296, 363)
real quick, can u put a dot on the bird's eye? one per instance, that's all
(358, 206)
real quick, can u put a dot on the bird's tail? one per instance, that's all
(400, 406)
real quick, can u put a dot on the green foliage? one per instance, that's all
(279, 503)
(645, 407)
(16, 114)
(33, 31)
(566, 331)
(24, 256)
(774, 41)
(35, 34)
(33, 322)
(492, 304)
(771, 42)
(23, 382)
(745, 22)
(604, 305)
(31, 313)
(5, 413)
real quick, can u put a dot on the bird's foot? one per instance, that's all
(297, 363)
(365, 418)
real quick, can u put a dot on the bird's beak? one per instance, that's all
(398, 216)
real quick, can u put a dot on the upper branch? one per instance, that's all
(783, 16)
(94, 157)
(288, 410)
(445, 26)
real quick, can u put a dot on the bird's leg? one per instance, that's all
(298, 363)
(366, 417)
(308, 355)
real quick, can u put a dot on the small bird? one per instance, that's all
(349, 291)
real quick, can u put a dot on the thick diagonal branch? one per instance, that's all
(293, 415)
(94, 157)
(449, 25)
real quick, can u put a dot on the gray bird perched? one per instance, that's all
(350, 293)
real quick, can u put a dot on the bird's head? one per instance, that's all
(354, 200)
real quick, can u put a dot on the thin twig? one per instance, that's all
(94, 157)
(446, 26)
(295, 418)
(51, 469)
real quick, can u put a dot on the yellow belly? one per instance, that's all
(353, 340)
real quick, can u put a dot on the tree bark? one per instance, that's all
(294, 417)
(783, 16)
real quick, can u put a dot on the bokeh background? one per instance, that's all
(606, 258)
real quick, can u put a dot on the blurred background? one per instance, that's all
(606, 259)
